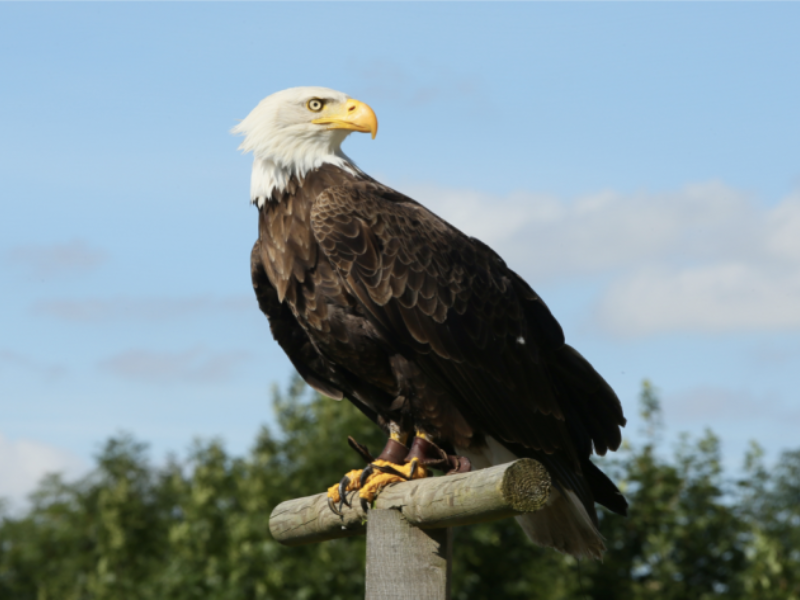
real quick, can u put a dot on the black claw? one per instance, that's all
(364, 504)
(332, 506)
(364, 474)
(391, 471)
(343, 491)
(362, 450)
(413, 468)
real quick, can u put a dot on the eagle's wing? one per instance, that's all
(467, 320)
(317, 371)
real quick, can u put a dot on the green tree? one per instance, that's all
(682, 538)
(770, 504)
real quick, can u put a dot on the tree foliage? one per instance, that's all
(198, 528)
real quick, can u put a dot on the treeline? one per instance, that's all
(197, 528)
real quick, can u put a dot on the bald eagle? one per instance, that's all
(424, 328)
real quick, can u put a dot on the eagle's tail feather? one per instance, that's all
(564, 525)
(603, 489)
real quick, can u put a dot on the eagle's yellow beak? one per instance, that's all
(353, 115)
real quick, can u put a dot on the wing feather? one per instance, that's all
(469, 321)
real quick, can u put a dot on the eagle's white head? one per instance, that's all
(297, 130)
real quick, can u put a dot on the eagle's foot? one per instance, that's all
(381, 473)
(389, 467)
(370, 481)
(360, 449)
(433, 457)
(338, 492)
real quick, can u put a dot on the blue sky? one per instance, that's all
(638, 164)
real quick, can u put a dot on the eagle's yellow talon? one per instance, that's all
(333, 491)
(378, 480)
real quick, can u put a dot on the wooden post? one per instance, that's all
(485, 495)
(405, 562)
(408, 529)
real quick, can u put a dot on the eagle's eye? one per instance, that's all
(315, 105)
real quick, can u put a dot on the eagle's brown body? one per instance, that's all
(376, 299)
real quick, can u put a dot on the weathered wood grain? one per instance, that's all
(405, 562)
(436, 502)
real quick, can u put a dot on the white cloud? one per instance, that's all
(24, 462)
(709, 298)
(424, 83)
(603, 231)
(703, 258)
(196, 365)
(56, 259)
(783, 224)
(13, 360)
(140, 309)
(717, 406)
(773, 353)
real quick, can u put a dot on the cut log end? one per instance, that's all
(526, 485)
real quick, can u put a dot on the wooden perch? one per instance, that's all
(485, 495)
